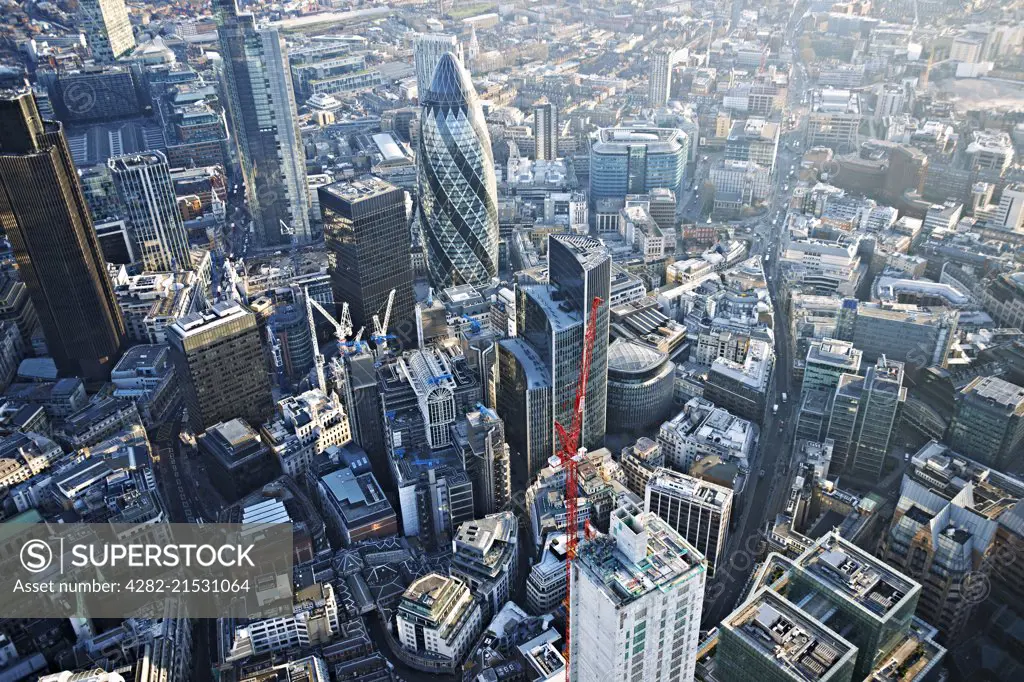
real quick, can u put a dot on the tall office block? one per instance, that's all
(545, 130)
(988, 421)
(368, 241)
(636, 160)
(660, 82)
(144, 185)
(553, 319)
(827, 360)
(636, 597)
(696, 509)
(265, 125)
(771, 639)
(427, 53)
(458, 189)
(219, 363)
(524, 402)
(1010, 213)
(44, 214)
(107, 28)
(882, 401)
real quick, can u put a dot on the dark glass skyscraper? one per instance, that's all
(44, 214)
(457, 184)
(265, 125)
(368, 244)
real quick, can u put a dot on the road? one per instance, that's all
(765, 496)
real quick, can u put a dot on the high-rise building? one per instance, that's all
(827, 360)
(265, 125)
(881, 403)
(545, 130)
(771, 639)
(921, 336)
(219, 363)
(485, 555)
(635, 602)
(696, 509)
(636, 160)
(481, 437)
(43, 213)
(660, 82)
(107, 28)
(1010, 213)
(524, 401)
(427, 53)
(368, 243)
(458, 189)
(988, 422)
(154, 221)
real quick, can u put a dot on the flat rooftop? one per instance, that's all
(354, 191)
(799, 644)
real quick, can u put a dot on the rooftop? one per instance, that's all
(353, 191)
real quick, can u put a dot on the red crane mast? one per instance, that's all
(569, 442)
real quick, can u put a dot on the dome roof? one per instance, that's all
(630, 357)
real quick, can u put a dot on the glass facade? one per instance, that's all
(458, 190)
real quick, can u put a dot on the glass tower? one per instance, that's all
(457, 184)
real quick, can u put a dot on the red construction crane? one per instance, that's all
(568, 443)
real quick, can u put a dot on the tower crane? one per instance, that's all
(285, 229)
(380, 336)
(318, 357)
(568, 453)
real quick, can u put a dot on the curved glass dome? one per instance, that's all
(629, 357)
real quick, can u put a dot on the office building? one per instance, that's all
(702, 429)
(636, 598)
(458, 189)
(744, 388)
(237, 461)
(307, 425)
(988, 422)
(481, 438)
(921, 336)
(145, 375)
(637, 160)
(485, 556)
(697, 510)
(218, 359)
(354, 505)
(366, 232)
(834, 120)
(438, 616)
(827, 360)
(865, 412)
(545, 130)
(94, 93)
(1002, 298)
(314, 620)
(427, 53)
(755, 140)
(55, 247)
(990, 150)
(545, 586)
(524, 400)
(659, 84)
(154, 221)
(264, 122)
(1010, 211)
(16, 307)
(641, 381)
(771, 639)
(107, 28)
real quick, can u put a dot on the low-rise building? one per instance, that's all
(438, 619)
(485, 555)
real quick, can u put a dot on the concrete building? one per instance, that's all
(108, 30)
(545, 585)
(834, 120)
(636, 601)
(438, 615)
(546, 130)
(145, 375)
(697, 510)
(920, 336)
(314, 620)
(307, 425)
(755, 140)
(1010, 212)
(703, 429)
(1003, 299)
(481, 438)
(237, 460)
(218, 359)
(988, 422)
(153, 219)
(427, 51)
(744, 388)
(354, 505)
(485, 556)
(659, 82)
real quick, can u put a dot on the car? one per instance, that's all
(761, 474)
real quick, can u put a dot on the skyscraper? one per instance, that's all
(988, 421)
(427, 53)
(545, 130)
(368, 252)
(144, 185)
(265, 126)
(43, 213)
(636, 160)
(457, 184)
(660, 83)
(696, 509)
(108, 30)
(880, 407)
(636, 597)
(218, 359)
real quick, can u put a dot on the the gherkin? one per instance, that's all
(457, 186)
